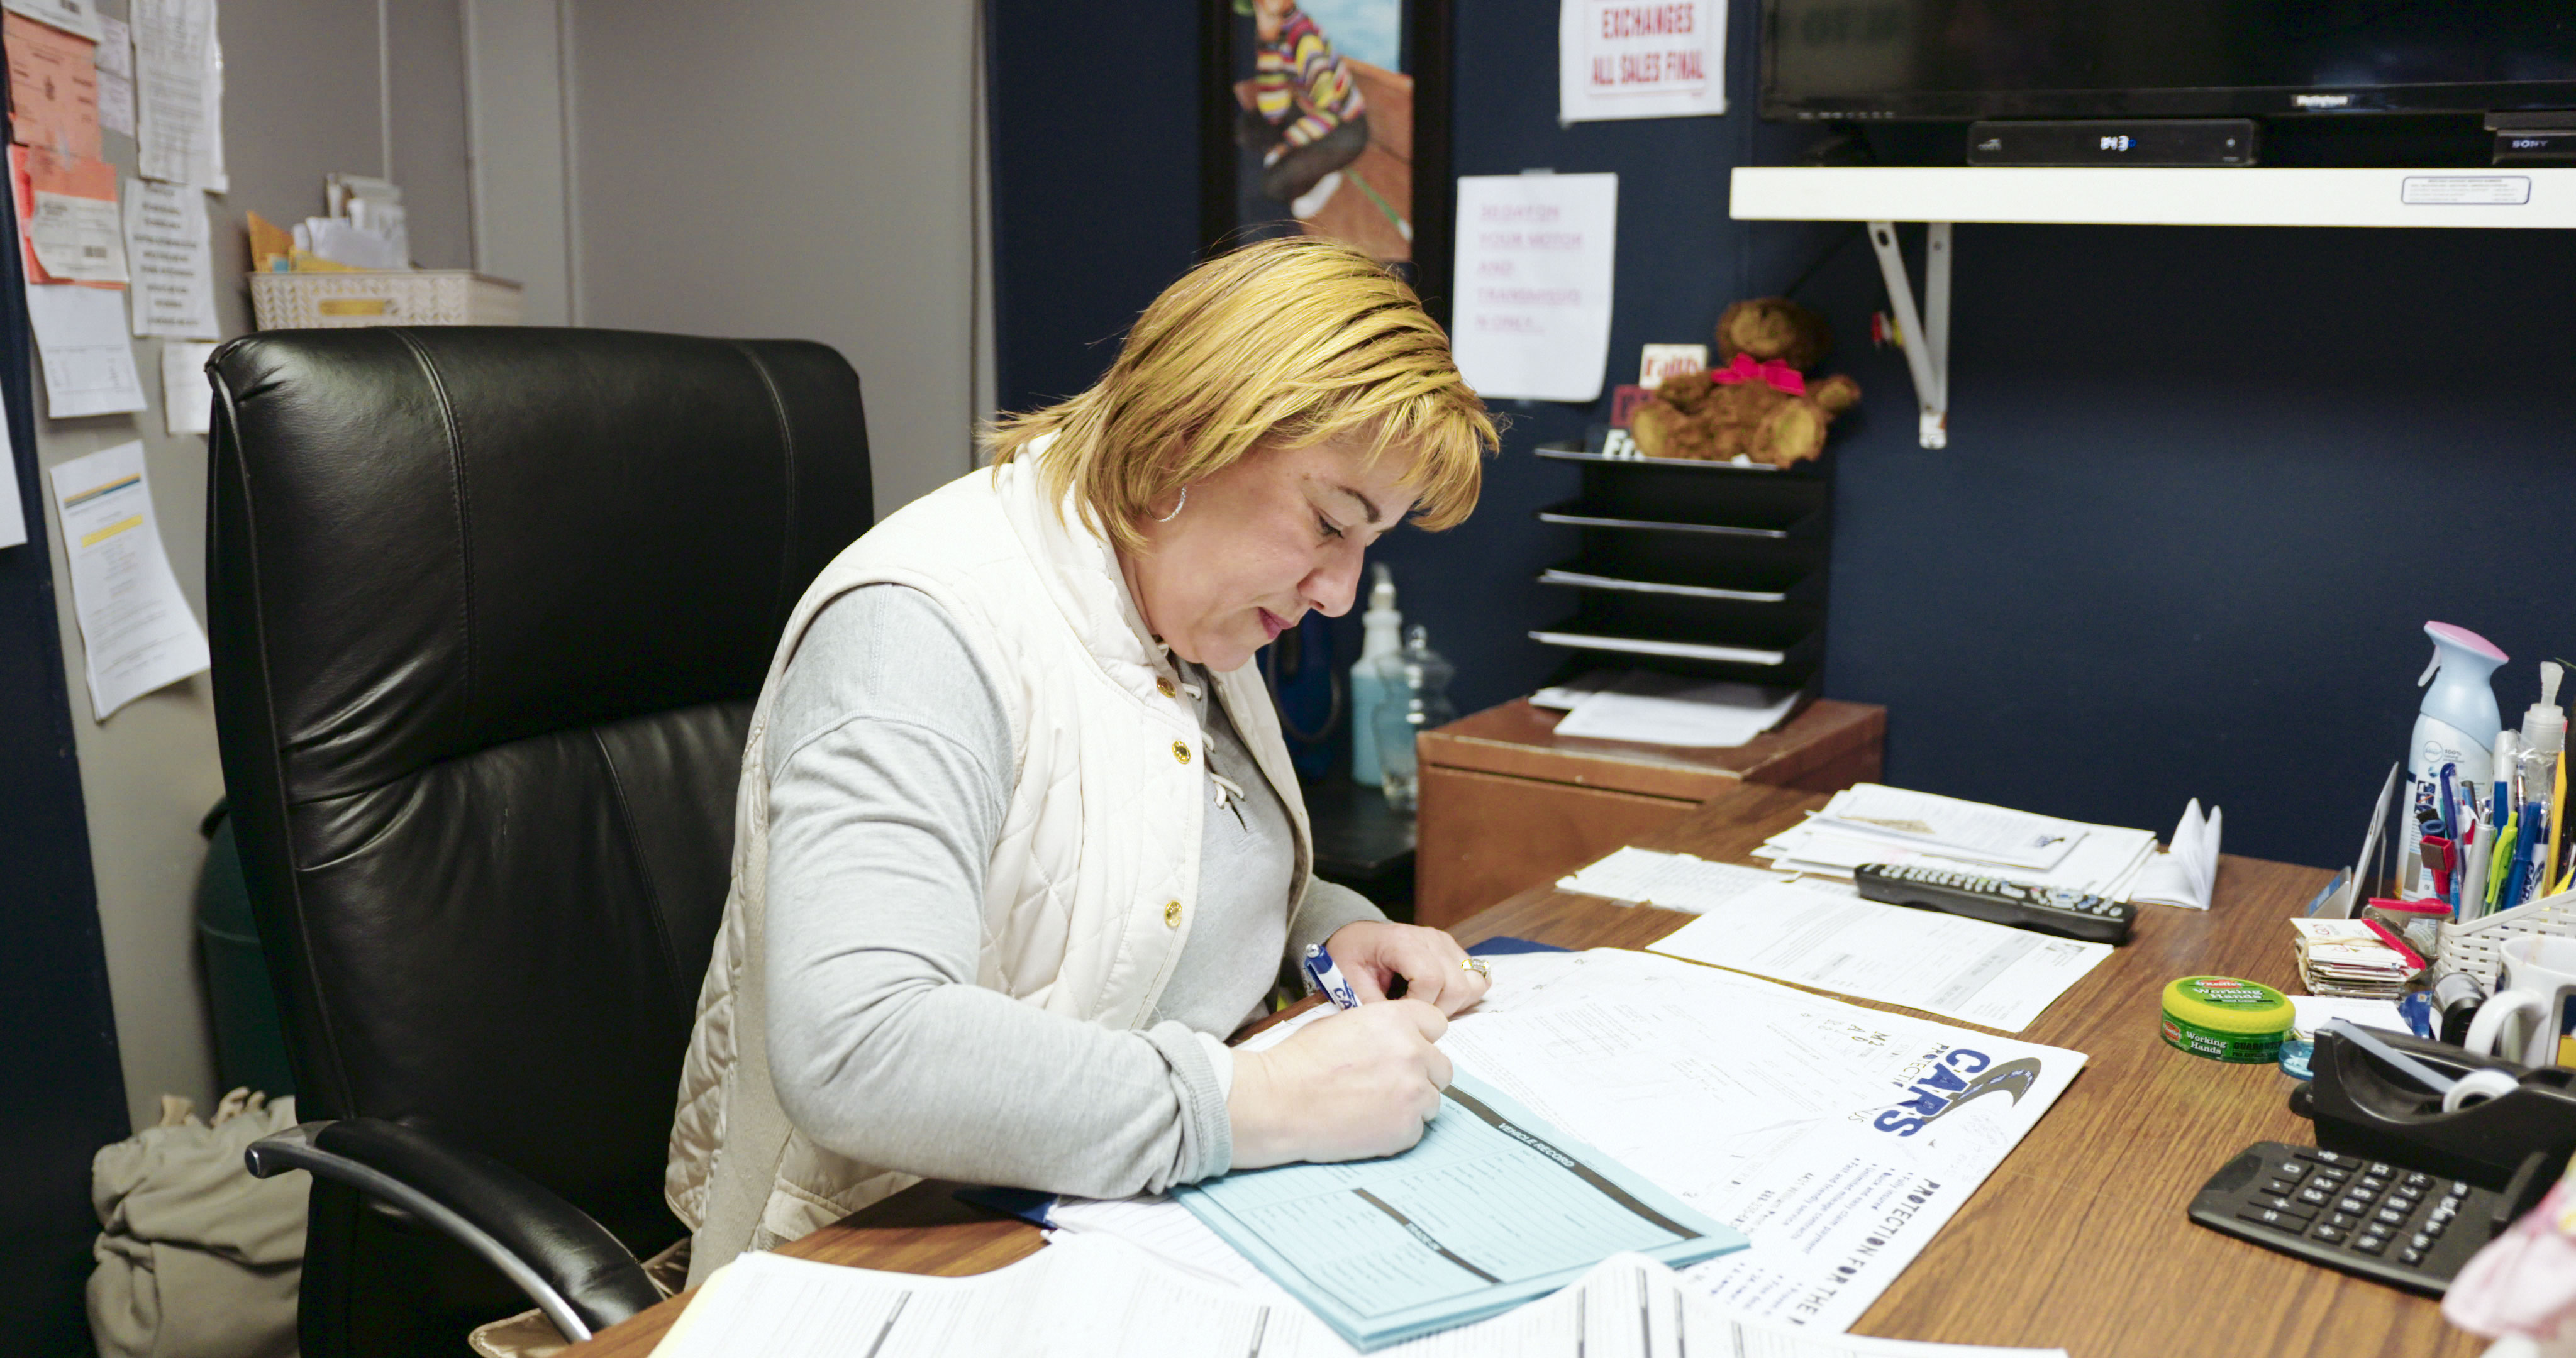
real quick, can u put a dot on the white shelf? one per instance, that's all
(2147, 196)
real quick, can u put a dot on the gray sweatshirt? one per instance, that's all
(890, 767)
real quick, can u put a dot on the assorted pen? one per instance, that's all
(2493, 844)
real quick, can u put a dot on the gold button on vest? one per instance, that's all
(1181, 750)
(1164, 687)
(1172, 914)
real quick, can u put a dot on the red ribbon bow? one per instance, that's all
(1747, 368)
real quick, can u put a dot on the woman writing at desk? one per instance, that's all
(1017, 837)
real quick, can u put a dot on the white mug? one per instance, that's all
(2538, 985)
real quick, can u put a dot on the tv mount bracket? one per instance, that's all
(1925, 338)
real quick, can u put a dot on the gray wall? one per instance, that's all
(805, 169)
(303, 98)
(802, 169)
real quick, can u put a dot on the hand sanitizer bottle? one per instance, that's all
(1374, 676)
(2458, 723)
(1418, 703)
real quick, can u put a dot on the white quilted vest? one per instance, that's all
(1092, 887)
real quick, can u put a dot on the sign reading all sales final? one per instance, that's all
(1646, 49)
(1641, 58)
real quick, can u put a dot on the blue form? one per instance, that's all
(1492, 1208)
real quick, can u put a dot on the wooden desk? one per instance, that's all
(1508, 804)
(2078, 1241)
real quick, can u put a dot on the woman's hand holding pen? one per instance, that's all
(1372, 953)
(1349, 1086)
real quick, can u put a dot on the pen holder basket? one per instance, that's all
(2476, 947)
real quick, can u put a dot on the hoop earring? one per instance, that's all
(1176, 509)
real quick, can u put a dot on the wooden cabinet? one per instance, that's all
(1507, 804)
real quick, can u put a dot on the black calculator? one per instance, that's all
(2381, 1221)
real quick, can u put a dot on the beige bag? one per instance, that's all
(197, 1259)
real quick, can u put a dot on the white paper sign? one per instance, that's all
(177, 98)
(116, 76)
(1640, 59)
(173, 269)
(89, 362)
(136, 631)
(187, 403)
(75, 238)
(71, 16)
(1533, 283)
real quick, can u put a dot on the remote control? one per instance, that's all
(2050, 910)
(2385, 1222)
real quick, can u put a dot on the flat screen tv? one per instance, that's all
(1942, 60)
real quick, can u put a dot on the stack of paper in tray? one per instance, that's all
(1869, 823)
(2349, 958)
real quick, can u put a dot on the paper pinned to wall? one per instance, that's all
(136, 631)
(1640, 59)
(67, 212)
(53, 87)
(187, 406)
(173, 266)
(178, 92)
(88, 361)
(13, 511)
(116, 76)
(71, 16)
(1533, 283)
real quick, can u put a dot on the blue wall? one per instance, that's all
(2185, 533)
(65, 1090)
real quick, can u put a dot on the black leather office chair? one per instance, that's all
(489, 610)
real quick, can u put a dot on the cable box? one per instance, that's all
(2114, 141)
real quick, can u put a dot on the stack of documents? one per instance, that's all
(1088, 1295)
(1661, 709)
(1870, 823)
(1678, 881)
(1837, 1139)
(2187, 872)
(2349, 958)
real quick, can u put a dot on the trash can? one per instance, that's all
(250, 1045)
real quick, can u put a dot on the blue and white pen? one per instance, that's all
(1328, 978)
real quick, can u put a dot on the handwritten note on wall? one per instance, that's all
(1532, 315)
(1640, 59)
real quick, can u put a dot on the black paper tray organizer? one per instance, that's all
(1721, 576)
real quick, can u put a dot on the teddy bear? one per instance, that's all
(1755, 404)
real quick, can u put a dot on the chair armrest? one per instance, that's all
(569, 1265)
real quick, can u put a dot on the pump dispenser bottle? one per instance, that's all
(2458, 722)
(1375, 676)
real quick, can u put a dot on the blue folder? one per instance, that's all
(1492, 1208)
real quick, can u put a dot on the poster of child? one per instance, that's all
(1324, 122)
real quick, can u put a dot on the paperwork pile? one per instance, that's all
(1090, 1294)
(1837, 1139)
(1870, 823)
(1644, 707)
(2347, 957)
(2186, 873)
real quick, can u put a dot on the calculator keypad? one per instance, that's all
(2394, 1225)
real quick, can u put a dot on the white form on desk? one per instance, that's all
(2107, 862)
(1948, 825)
(1677, 881)
(1941, 964)
(1091, 1295)
(1837, 1138)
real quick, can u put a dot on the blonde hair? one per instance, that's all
(1287, 342)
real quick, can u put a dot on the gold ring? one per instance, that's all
(1476, 965)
